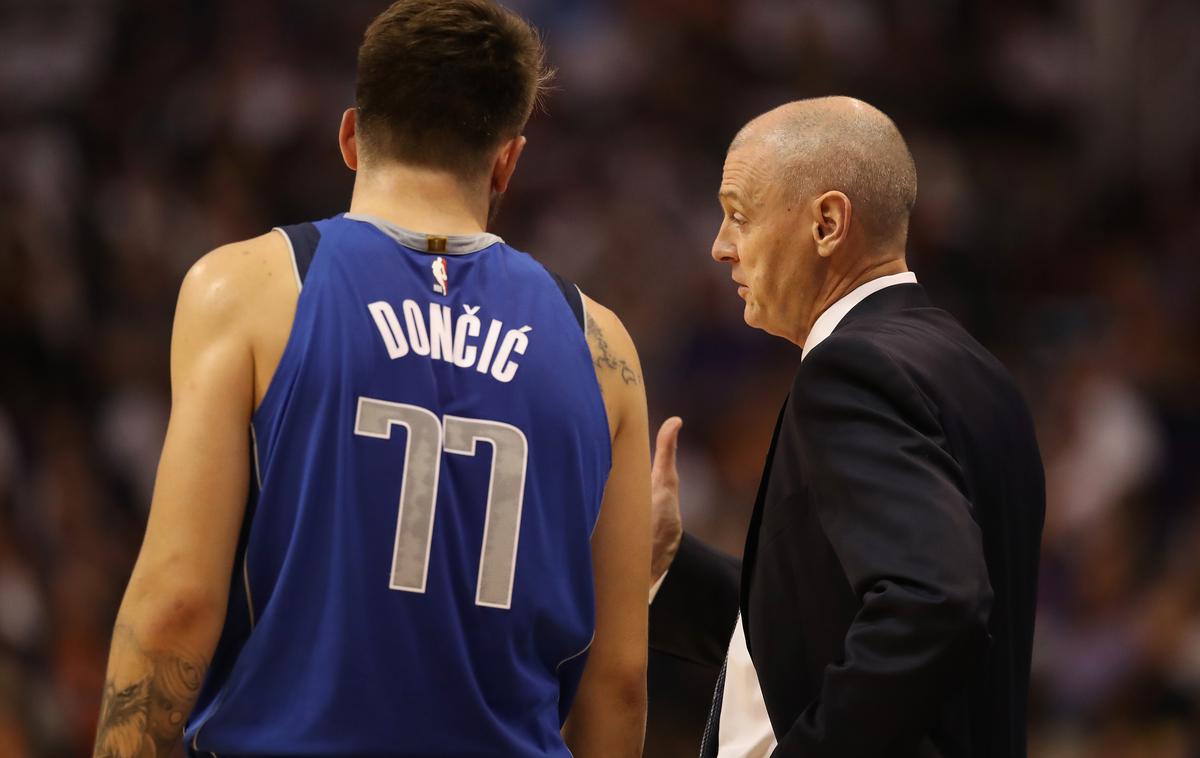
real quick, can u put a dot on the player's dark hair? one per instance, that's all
(442, 83)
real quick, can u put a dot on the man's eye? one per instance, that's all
(736, 218)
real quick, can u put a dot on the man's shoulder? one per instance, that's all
(854, 349)
(229, 285)
(912, 339)
(237, 263)
(923, 352)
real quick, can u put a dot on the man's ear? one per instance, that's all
(832, 213)
(348, 138)
(506, 163)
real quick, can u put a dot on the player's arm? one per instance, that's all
(608, 717)
(173, 609)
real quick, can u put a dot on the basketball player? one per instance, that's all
(445, 449)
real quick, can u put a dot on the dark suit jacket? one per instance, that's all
(888, 587)
(690, 622)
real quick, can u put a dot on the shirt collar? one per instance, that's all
(834, 314)
(449, 244)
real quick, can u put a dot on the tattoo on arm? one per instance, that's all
(603, 357)
(146, 699)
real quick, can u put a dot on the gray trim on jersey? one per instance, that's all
(246, 551)
(573, 656)
(582, 307)
(292, 254)
(456, 244)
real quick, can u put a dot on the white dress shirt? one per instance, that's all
(745, 729)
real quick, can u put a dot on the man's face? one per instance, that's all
(764, 238)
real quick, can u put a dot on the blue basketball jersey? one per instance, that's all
(414, 575)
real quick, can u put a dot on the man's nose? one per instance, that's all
(723, 250)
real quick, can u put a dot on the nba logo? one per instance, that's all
(440, 279)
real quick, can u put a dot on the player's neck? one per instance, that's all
(419, 199)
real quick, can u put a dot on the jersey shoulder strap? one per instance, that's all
(572, 294)
(302, 242)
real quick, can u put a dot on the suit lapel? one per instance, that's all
(748, 553)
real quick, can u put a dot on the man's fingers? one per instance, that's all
(666, 447)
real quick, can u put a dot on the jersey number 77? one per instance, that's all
(427, 437)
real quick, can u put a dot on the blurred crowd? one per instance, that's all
(1058, 146)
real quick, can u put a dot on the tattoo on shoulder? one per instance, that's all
(603, 357)
(146, 700)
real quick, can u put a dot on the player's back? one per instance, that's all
(415, 576)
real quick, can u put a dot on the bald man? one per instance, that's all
(888, 584)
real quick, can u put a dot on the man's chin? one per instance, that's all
(751, 316)
(754, 319)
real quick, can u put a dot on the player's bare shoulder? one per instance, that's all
(224, 281)
(246, 291)
(615, 358)
(613, 352)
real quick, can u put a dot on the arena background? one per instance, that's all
(1058, 144)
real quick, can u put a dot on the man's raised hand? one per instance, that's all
(664, 490)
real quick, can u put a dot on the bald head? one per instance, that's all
(843, 144)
